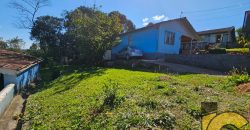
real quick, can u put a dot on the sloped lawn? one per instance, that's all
(99, 98)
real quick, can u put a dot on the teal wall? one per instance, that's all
(22, 79)
(151, 40)
(145, 40)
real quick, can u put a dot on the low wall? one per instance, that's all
(6, 96)
(221, 62)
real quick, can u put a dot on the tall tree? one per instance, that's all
(92, 32)
(27, 10)
(15, 44)
(47, 31)
(242, 39)
(3, 44)
(127, 24)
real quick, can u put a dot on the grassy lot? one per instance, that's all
(238, 50)
(99, 98)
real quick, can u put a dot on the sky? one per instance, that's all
(202, 14)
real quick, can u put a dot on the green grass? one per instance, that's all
(238, 50)
(99, 98)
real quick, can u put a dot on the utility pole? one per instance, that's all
(181, 14)
(94, 4)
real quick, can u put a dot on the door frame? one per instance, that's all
(1, 81)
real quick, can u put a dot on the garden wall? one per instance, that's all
(221, 62)
(6, 96)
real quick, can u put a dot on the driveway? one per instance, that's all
(180, 68)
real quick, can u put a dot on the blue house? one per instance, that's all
(17, 68)
(162, 38)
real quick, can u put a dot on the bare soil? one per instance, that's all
(244, 88)
(9, 120)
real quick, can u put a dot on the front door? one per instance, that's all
(1, 82)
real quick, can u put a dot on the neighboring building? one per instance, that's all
(246, 24)
(224, 36)
(17, 68)
(158, 39)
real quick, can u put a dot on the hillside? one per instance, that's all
(100, 98)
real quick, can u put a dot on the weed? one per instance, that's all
(170, 91)
(166, 121)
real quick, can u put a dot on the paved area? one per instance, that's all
(180, 68)
(9, 120)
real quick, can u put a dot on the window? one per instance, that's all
(169, 38)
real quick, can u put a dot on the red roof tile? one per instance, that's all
(16, 61)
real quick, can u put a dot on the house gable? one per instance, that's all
(181, 28)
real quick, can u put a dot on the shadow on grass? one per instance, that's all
(65, 77)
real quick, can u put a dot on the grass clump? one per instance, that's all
(105, 98)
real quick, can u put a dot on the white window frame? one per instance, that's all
(169, 38)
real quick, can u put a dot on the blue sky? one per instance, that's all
(203, 14)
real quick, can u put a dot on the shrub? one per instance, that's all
(111, 98)
(149, 104)
(217, 51)
(239, 76)
(243, 51)
(165, 121)
(195, 112)
(180, 100)
(170, 92)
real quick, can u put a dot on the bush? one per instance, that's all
(149, 104)
(112, 99)
(239, 76)
(217, 51)
(165, 121)
(242, 51)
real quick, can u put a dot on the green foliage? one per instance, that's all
(239, 77)
(102, 98)
(47, 31)
(195, 112)
(243, 51)
(170, 91)
(3, 44)
(92, 32)
(242, 39)
(127, 24)
(166, 121)
(15, 44)
(217, 51)
(112, 99)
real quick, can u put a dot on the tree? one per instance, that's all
(47, 31)
(127, 24)
(15, 44)
(27, 10)
(242, 39)
(3, 44)
(91, 33)
(150, 24)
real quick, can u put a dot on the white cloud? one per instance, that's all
(166, 19)
(145, 20)
(145, 24)
(158, 17)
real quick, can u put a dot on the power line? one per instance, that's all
(216, 9)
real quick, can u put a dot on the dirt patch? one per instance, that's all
(244, 88)
(164, 78)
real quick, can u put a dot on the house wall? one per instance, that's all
(179, 29)
(145, 40)
(122, 44)
(22, 79)
(27, 77)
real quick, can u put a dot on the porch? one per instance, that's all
(191, 46)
